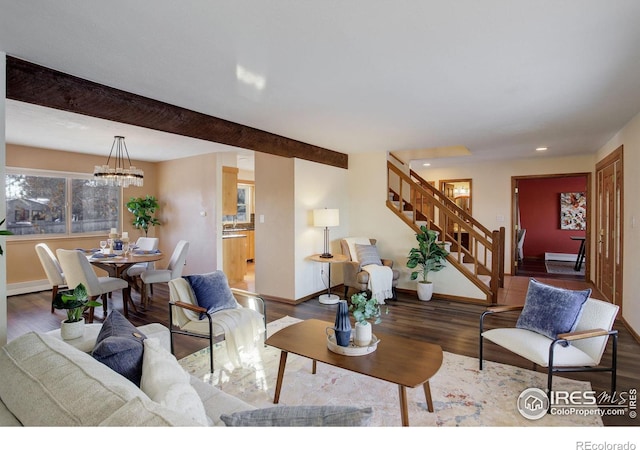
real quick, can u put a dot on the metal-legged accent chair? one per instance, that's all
(587, 342)
(186, 317)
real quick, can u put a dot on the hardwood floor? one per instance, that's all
(454, 326)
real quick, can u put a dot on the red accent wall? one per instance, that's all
(539, 201)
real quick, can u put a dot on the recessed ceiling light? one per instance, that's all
(426, 164)
(541, 149)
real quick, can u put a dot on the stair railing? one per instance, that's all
(475, 250)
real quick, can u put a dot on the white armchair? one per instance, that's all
(588, 341)
(185, 317)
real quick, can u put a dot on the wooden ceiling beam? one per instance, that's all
(31, 83)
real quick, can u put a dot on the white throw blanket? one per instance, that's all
(243, 331)
(380, 282)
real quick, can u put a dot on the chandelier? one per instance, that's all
(118, 175)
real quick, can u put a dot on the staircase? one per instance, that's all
(476, 251)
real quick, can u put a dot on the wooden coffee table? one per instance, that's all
(398, 360)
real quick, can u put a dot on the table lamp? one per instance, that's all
(326, 218)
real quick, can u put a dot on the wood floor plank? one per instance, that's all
(453, 326)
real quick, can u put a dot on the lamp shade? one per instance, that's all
(326, 217)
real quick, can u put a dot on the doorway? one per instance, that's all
(550, 223)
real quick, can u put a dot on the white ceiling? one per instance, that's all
(498, 77)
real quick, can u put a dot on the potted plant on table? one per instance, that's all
(75, 302)
(143, 210)
(429, 256)
(364, 310)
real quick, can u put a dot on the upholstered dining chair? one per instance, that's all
(234, 315)
(52, 269)
(580, 350)
(145, 244)
(77, 269)
(354, 276)
(173, 270)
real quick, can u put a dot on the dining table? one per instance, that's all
(117, 265)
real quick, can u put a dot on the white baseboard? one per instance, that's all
(28, 287)
(560, 257)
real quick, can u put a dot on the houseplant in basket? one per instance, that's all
(75, 302)
(364, 310)
(143, 210)
(429, 256)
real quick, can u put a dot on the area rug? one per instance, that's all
(563, 267)
(462, 394)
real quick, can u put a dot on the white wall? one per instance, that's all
(3, 204)
(317, 186)
(629, 137)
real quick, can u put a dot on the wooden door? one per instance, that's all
(609, 232)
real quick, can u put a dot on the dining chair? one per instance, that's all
(52, 269)
(145, 244)
(77, 269)
(173, 270)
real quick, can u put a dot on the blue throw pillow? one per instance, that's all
(550, 310)
(119, 346)
(212, 291)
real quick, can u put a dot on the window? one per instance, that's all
(44, 202)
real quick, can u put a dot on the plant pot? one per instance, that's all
(72, 330)
(362, 336)
(425, 290)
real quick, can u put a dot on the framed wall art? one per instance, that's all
(573, 211)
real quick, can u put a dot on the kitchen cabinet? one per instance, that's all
(229, 191)
(251, 244)
(234, 255)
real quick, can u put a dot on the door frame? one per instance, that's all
(514, 217)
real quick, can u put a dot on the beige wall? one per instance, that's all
(24, 271)
(629, 137)
(274, 228)
(189, 210)
(317, 186)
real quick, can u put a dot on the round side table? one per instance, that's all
(329, 298)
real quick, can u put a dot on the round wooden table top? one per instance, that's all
(337, 258)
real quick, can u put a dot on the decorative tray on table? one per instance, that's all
(352, 349)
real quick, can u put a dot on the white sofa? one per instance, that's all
(47, 382)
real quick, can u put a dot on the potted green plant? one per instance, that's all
(75, 302)
(364, 310)
(4, 233)
(429, 256)
(143, 210)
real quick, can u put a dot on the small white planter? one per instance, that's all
(362, 336)
(425, 290)
(72, 330)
